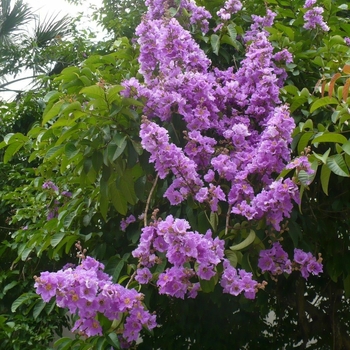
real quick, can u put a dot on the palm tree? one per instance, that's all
(20, 51)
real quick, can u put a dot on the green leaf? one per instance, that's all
(324, 157)
(214, 220)
(337, 164)
(118, 200)
(24, 298)
(249, 240)
(208, 286)
(94, 92)
(325, 175)
(70, 150)
(57, 238)
(64, 344)
(324, 101)
(53, 152)
(11, 150)
(215, 43)
(52, 112)
(304, 140)
(330, 137)
(232, 257)
(10, 286)
(346, 147)
(39, 306)
(232, 31)
(112, 339)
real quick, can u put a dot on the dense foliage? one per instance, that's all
(203, 164)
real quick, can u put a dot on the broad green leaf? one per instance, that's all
(112, 339)
(53, 112)
(11, 150)
(249, 240)
(24, 298)
(64, 344)
(118, 200)
(304, 140)
(39, 306)
(324, 101)
(325, 175)
(10, 286)
(70, 150)
(53, 152)
(126, 186)
(94, 92)
(337, 164)
(208, 286)
(346, 147)
(214, 220)
(232, 257)
(330, 137)
(57, 238)
(113, 93)
(232, 31)
(215, 43)
(322, 158)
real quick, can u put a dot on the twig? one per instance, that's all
(149, 200)
(133, 275)
(228, 218)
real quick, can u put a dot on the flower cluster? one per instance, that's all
(241, 110)
(313, 16)
(275, 261)
(126, 222)
(55, 204)
(230, 7)
(192, 257)
(86, 290)
(235, 282)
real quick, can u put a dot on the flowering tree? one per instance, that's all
(213, 163)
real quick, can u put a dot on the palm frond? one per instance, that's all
(13, 19)
(50, 29)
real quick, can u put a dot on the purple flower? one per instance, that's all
(300, 256)
(126, 222)
(50, 185)
(143, 276)
(309, 3)
(313, 19)
(86, 290)
(230, 7)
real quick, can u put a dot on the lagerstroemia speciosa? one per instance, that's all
(237, 140)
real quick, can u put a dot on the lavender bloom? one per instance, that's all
(143, 276)
(313, 19)
(126, 222)
(230, 7)
(50, 185)
(66, 194)
(86, 290)
(309, 3)
(347, 41)
(275, 261)
(235, 282)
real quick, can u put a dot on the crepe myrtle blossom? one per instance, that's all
(192, 257)
(86, 291)
(49, 185)
(313, 19)
(230, 7)
(275, 261)
(126, 222)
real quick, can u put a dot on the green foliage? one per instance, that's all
(78, 131)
